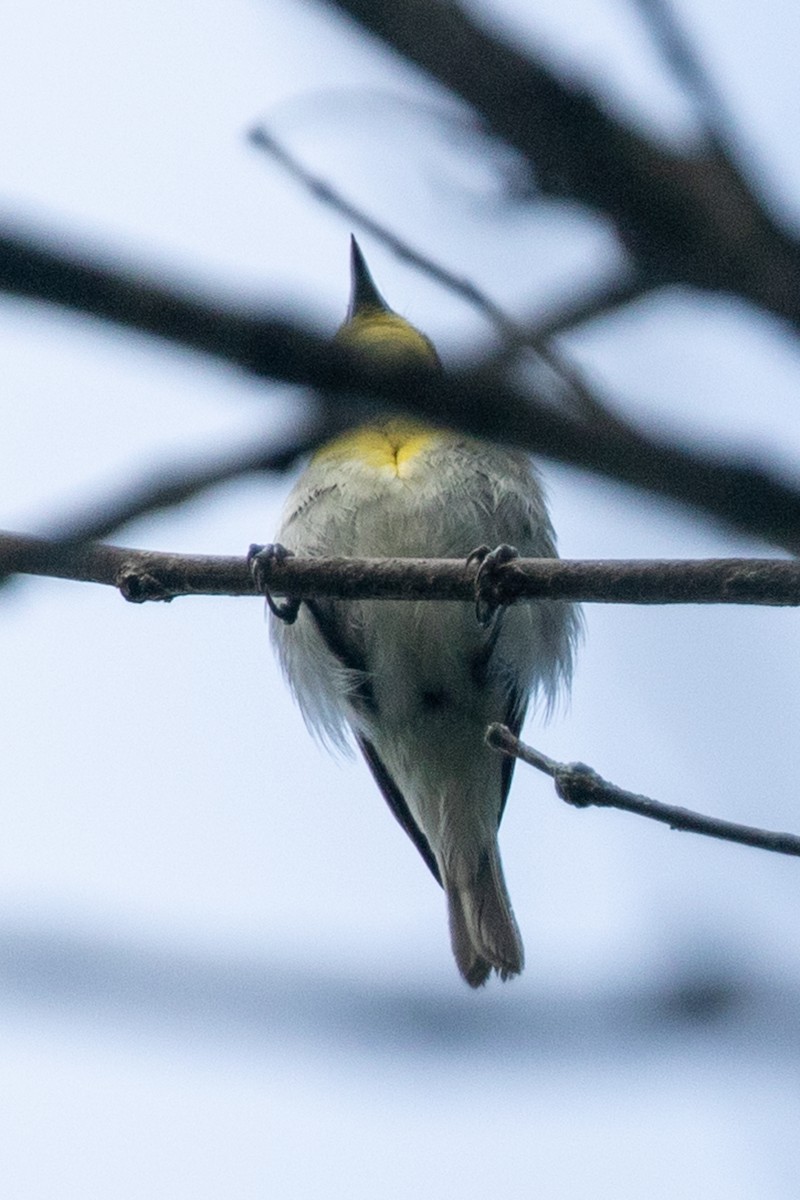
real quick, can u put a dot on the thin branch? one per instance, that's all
(691, 72)
(598, 301)
(330, 196)
(582, 787)
(176, 485)
(585, 400)
(480, 403)
(151, 575)
(139, 574)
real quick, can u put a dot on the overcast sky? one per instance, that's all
(224, 971)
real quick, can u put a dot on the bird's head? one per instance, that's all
(372, 328)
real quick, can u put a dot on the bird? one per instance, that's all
(416, 683)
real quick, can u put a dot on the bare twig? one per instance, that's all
(327, 194)
(151, 575)
(176, 485)
(586, 402)
(139, 574)
(580, 309)
(582, 787)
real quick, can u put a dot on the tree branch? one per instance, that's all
(692, 73)
(684, 218)
(586, 402)
(139, 574)
(580, 786)
(177, 484)
(152, 575)
(598, 300)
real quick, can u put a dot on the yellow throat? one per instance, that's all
(373, 328)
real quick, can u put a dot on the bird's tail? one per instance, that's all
(483, 931)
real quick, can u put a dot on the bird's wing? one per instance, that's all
(396, 801)
(515, 715)
(516, 704)
(346, 649)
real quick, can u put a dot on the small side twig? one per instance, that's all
(580, 786)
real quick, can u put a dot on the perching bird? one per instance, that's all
(417, 683)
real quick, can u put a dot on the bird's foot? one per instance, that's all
(260, 559)
(490, 592)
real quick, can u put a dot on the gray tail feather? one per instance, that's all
(483, 931)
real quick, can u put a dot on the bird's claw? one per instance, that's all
(489, 590)
(259, 560)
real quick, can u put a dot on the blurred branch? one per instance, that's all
(478, 401)
(587, 403)
(327, 194)
(691, 72)
(594, 302)
(582, 787)
(151, 575)
(684, 218)
(34, 270)
(231, 995)
(177, 484)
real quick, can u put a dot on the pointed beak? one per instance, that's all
(363, 292)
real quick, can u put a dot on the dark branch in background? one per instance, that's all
(690, 71)
(33, 270)
(594, 302)
(178, 484)
(586, 403)
(237, 998)
(171, 487)
(745, 497)
(582, 787)
(684, 218)
(153, 575)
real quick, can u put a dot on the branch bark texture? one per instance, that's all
(582, 787)
(150, 575)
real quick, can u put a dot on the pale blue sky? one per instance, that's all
(223, 969)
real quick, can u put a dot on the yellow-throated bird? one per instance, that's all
(418, 683)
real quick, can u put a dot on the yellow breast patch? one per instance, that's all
(390, 447)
